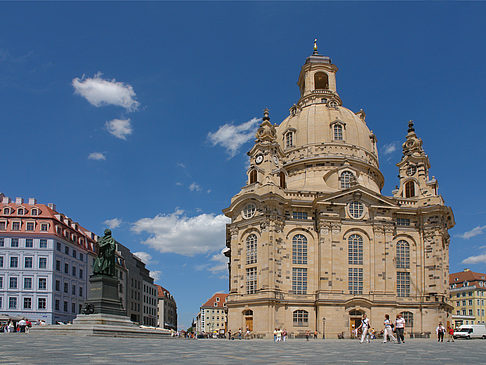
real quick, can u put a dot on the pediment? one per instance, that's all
(360, 193)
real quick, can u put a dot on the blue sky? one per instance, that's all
(114, 111)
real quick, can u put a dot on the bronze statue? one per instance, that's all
(105, 262)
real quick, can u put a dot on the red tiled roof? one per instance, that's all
(219, 303)
(459, 278)
(162, 292)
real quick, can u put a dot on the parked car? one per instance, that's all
(471, 331)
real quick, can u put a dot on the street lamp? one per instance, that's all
(323, 328)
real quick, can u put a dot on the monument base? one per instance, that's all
(101, 324)
(103, 295)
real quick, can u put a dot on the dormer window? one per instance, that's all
(321, 81)
(21, 211)
(34, 212)
(6, 210)
(346, 178)
(289, 139)
(409, 189)
(338, 132)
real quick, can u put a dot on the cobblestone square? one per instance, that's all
(49, 349)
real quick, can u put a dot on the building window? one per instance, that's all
(249, 211)
(15, 226)
(27, 303)
(13, 282)
(66, 250)
(28, 283)
(301, 318)
(251, 249)
(408, 317)
(6, 210)
(346, 178)
(56, 305)
(3, 226)
(299, 280)
(42, 283)
(41, 303)
(29, 226)
(409, 189)
(299, 249)
(42, 262)
(1, 261)
(299, 215)
(28, 262)
(289, 139)
(1, 282)
(356, 209)
(338, 132)
(21, 211)
(14, 242)
(355, 280)
(14, 262)
(34, 212)
(321, 81)
(80, 273)
(44, 227)
(403, 284)
(283, 185)
(66, 287)
(43, 243)
(2, 241)
(73, 307)
(355, 250)
(74, 253)
(81, 256)
(66, 268)
(73, 290)
(251, 280)
(58, 285)
(65, 306)
(403, 222)
(74, 270)
(80, 291)
(58, 246)
(12, 302)
(29, 243)
(403, 255)
(253, 176)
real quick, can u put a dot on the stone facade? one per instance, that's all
(313, 244)
(166, 309)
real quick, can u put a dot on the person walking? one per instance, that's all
(279, 335)
(229, 334)
(440, 330)
(284, 335)
(275, 335)
(239, 334)
(10, 327)
(365, 327)
(400, 328)
(22, 325)
(388, 331)
(450, 333)
(307, 334)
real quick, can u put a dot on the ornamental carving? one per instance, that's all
(267, 131)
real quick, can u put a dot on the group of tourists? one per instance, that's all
(21, 326)
(279, 335)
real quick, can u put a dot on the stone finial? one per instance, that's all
(267, 131)
(266, 114)
(410, 126)
(315, 46)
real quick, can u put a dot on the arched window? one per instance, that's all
(321, 81)
(338, 132)
(409, 189)
(355, 250)
(289, 139)
(299, 249)
(408, 317)
(253, 176)
(403, 255)
(248, 312)
(21, 211)
(251, 249)
(346, 178)
(355, 313)
(282, 180)
(301, 318)
(6, 210)
(34, 212)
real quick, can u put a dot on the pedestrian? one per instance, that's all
(365, 326)
(307, 334)
(284, 335)
(315, 334)
(11, 327)
(399, 328)
(440, 330)
(248, 333)
(450, 333)
(388, 331)
(22, 325)
(279, 335)
(275, 335)
(229, 334)
(239, 333)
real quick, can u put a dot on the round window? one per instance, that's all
(356, 209)
(249, 211)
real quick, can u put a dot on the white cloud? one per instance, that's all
(120, 128)
(232, 137)
(179, 183)
(221, 263)
(389, 148)
(480, 259)
(183, 235)
(144, 256)
(96, 156)
(98, 92)
(155, 274)
(181, 165)
(194, 187)
(113, 223)
(476, 231)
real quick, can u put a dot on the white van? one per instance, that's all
(469, 331)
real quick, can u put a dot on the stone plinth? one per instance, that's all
(101, 324)
(103, 295)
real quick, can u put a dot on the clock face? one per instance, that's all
(259, 159)
(411, 170)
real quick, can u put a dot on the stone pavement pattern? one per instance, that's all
(52, 349)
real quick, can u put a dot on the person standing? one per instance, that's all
(229, 334)
(388, 330)
(440, 330)
(275, 335)
(22, 325)
(365, 327)
(284, 335)
(400, 328)
(279, 335)
(450, 333)
(307, 334)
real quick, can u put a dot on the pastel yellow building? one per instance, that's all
(313, 244)
(468, 296)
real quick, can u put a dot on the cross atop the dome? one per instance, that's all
(315, 46)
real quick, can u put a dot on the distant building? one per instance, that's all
(166, 310)
(44, 261)
(468, 295)
(212, 314)
(140, 293)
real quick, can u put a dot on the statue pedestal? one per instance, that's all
(103, 295)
